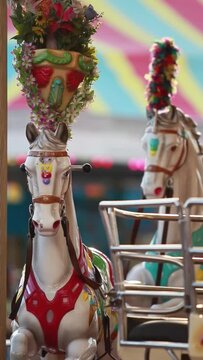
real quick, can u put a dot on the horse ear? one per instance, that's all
(31, 132)
(61, 132)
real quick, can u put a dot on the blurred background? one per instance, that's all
(108, 134)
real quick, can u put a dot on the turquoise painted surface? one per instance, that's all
(168, 269)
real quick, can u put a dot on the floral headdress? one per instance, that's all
(54, 24)
(162, 75)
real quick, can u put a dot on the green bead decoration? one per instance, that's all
(53, 59)
(56, 93)
(85, 66)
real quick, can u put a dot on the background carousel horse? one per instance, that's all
(63, 296)
(173, 155)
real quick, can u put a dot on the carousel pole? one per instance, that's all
(3, 177)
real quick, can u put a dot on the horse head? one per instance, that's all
(165, 143)
(48, 170)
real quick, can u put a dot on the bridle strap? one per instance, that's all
(178, 165)
(157, 168)
(47, 199)
(168, 131)
(93, 283)
(38, 153)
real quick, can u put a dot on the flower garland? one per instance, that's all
(68, 23)
(42, 114)
(161, 78)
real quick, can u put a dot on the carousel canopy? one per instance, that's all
(123, 41)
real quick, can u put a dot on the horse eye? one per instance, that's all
(173, 148)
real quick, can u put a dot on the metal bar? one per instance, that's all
(189, 273)
(146, 293)
(153, 216)
(171, 310)
(197, 284)
(151, 247)
(159, 317)
(144, 203)
(196, 250)
(153, 258)
(193, 201)
(155, 344)
(3, 177)
(171, 354)
(131, 286)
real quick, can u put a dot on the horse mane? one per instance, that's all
(47, 140)
(191, 125)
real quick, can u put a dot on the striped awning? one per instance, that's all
(123, 41)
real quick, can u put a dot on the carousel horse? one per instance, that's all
(173, 156)
(62, 303)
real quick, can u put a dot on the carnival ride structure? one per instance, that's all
(177, 329)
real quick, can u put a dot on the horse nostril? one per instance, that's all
(56, 224)
(35, 223)
(158, 191)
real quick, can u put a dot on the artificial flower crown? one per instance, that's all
(162, 75)
(64, 25)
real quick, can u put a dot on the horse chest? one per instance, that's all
(50, 312)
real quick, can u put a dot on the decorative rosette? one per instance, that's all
(54, 59)
(162, 73)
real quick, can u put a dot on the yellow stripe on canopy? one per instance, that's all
(13, 90)
(11, 34)
(126, 75)
(115, 18)
(188, 85)
(98, 105)
(179, 23)
(104, 46)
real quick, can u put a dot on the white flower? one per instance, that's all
(30, 82)
(77, 7)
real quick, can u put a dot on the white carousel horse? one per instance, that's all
(173, 154)
(63, 306)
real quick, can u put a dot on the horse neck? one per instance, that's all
(187, 182)
(51, 262)
(188, 179)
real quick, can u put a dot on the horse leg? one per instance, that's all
(23, 345)
(81, 349)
